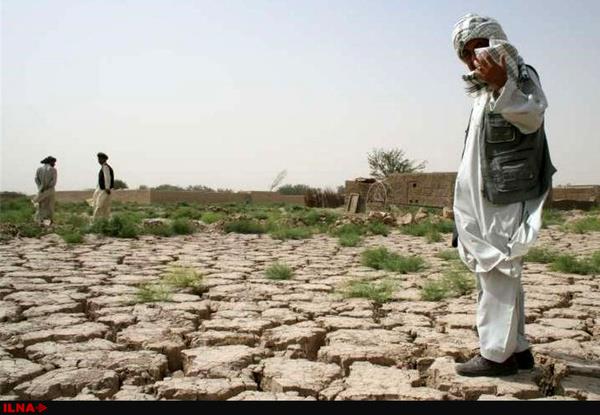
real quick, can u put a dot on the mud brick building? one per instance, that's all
(437, 190)
(406, 189)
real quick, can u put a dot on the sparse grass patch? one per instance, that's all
(428, 229)
(434, 291)
(381, 258)
(573, 265)
(453, 283)
(584, 225)
(541, 255)
(349, 234)
(379, 292)
(552, 217)
(448, 255)
(279, 271)
(72, 236)
(314, 217)
(211, 217)
(433, 235)
(378, 228)
(349, 228)
(350, 239)
(149, 293)
(184, 277)
(245, 226)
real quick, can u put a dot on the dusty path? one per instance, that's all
(68, 328)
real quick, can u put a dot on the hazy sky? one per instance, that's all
(229, 93)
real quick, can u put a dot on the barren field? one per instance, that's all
(207, 316)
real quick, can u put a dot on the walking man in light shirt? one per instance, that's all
(44, 201)
(103, 194)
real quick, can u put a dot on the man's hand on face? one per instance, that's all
(490, 71)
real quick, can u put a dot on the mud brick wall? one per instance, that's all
(152, 196)
(198, 197)
(132, 196)
(577, 193)
(422, 189)
(360, 188)
(417, 189)
(273, 197)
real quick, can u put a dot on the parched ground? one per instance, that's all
(70, 329)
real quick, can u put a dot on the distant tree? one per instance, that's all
(341, 190)
(386, 162)
(278, 179)
(120, 184)
(164, 187)
(142, 187)
(293, 189)
(224, 190)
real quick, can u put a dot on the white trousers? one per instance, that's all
(44, 203)
(500, 315)
(101, 203)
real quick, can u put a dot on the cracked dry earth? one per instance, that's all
(69, 328)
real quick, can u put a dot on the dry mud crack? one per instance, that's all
(70, 327)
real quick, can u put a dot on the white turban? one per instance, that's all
(472, 26)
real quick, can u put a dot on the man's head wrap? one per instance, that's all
(472, 26)
(48, 160)
(102, 156)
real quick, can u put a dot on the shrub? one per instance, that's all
(31, 230)
(381, 258)
(162, 229)
(245, 226)
(379, 292)
(186, 212)
(182, 226)
(72, 236)
(211, 217)
(350, 239)
(122, 226)
(279, 271)
(378, 228)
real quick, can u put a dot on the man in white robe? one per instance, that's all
(493, 238)
(101, 200)
(44, 201)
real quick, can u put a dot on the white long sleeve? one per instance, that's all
(524, 111)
